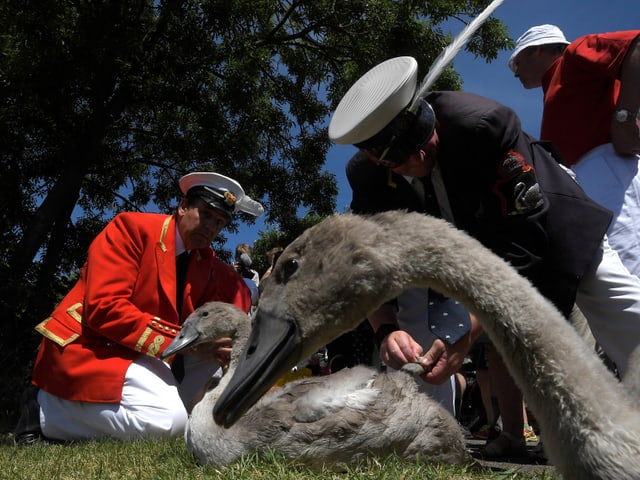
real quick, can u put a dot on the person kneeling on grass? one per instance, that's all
(98, 371)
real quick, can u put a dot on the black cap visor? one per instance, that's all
(402, 137)
(213, 198)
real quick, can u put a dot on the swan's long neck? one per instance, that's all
(224, 320)
(207, 440)
(545, 355)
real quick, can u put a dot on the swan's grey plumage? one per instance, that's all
(329, 420)
(339, 271)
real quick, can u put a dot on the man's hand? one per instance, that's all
(442, 360)
(399, 348)
(218, 351)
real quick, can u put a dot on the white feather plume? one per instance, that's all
(445, 58)
(250, 206)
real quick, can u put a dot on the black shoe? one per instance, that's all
(28, 429)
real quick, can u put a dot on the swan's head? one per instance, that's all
(207, 323)
(324, 284)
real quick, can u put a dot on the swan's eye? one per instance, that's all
(290, 267)
(205, 314)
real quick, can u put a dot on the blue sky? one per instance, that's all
(494, 80)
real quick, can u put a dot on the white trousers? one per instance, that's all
(614, 182)
(152, 405)
(609, 298)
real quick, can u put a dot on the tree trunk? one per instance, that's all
(55, 208)
(42, 302)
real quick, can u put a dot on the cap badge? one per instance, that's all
(229, 199)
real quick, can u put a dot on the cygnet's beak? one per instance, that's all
(187, 337)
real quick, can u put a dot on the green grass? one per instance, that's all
(169, 459)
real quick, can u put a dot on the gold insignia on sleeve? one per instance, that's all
(143, 339)
(154, 348)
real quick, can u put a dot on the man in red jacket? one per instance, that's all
(591, 103)
(98, 371)
(591, 108)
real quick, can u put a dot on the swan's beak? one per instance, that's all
(272, 350)
(187, 336)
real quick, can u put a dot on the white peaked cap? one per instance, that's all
(374, 100)
(535, 36)
(221, 192)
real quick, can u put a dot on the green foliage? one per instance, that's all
(137, 460)
(106, 103)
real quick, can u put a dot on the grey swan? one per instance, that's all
(327, 421)
(337, 272)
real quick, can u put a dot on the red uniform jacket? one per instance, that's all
(125, 304)
(581, 90)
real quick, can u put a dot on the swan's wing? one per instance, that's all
(314, 399)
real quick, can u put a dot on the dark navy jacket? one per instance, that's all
(552, 244)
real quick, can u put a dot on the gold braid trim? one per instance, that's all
(154, 348)
(163, 233)
(73, 312)
(390, 181)
(42, 329)
(143, 339)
